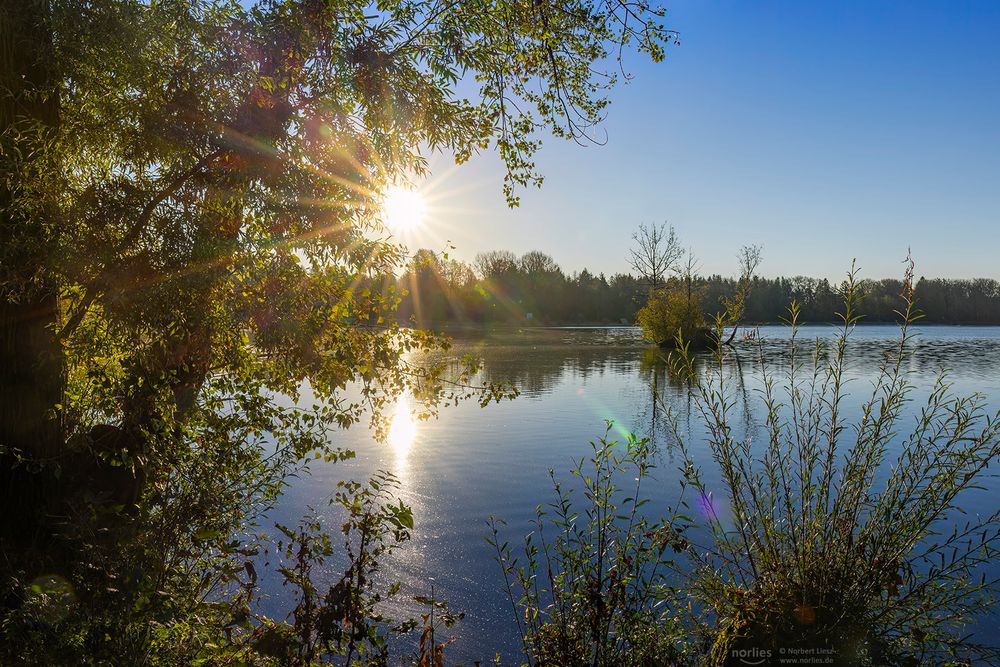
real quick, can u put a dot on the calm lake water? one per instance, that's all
(472, 462)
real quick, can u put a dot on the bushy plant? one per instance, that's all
(594, 592)
(672, 312)
(344, 621)
(842, 537)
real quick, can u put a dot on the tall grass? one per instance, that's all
(845, 539)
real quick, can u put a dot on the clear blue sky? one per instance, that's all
(824, 131)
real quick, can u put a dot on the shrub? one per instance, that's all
(594, 592)
(842, 536)
(672, 311)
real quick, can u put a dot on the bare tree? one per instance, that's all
(656, 253)
(749, 258)
(687, 271)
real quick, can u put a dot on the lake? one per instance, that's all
(471, 462)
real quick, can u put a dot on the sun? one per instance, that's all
(403, 208)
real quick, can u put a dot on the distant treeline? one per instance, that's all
(503, 288)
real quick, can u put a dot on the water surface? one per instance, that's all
(471, 463)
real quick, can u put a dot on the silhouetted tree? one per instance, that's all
(655, 252)
(735, 307)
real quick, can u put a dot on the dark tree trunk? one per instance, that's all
(31, 360)
(729, 341)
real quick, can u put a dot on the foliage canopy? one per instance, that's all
(189, 232)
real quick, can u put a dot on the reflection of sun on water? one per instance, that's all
(403, 429)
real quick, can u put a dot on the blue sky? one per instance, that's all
(824, 131)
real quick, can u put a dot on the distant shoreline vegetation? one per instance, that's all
(532, 290)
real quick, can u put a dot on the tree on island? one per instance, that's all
(735, 307)
(655, 253)
(672, 312)
(673, 315)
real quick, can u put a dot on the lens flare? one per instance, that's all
(403, 208)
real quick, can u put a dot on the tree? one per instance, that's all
(500, 271)
(30, 359)
(688, 273)
(655, 253)
(497, 264)
(749, 258)
(672, 311)
(426, 287)
(436, 290)
(189, 225)
(542, 285)
(537, 263)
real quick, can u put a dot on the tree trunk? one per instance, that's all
(31, 360)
